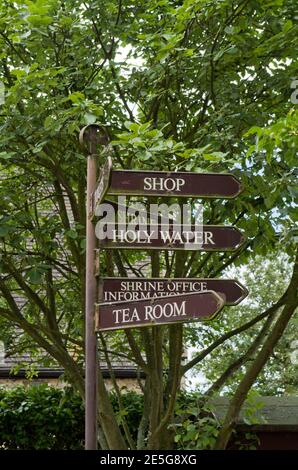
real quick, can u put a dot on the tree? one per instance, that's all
(192, 82)
(266, 279)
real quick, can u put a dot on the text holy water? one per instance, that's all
(172, 223)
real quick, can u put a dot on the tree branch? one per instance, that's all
(242, 359)
(230, 334)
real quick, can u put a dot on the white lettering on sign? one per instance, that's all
(163, 184)
(154, 312)
(129, 296)
(135, 315)
(161, 286)
(124, 315)
(144, 236)
(116, 314)
(135, 290)
(198, 238)
(131, 236)
(151, 313)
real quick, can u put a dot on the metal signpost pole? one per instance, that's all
(90, 137)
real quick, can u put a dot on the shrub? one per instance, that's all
(41, 417)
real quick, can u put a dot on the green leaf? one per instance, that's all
(287, 26)
(76, 97)
(4, 230)
(48, 122)
(35, 275)
(214, 156)
(6, 155)
(89, 118)
(132, 126)
(38, 20)
(72, 234)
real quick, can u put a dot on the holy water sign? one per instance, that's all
(166, 237)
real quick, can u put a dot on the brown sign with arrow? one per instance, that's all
(158, 311)
(163, 183)
(116, 289)
(163, 237)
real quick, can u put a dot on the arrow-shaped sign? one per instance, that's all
(116, 289)
(163, 183)
(164, 237)
(158, 311)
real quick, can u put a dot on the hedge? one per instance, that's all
(43, 417)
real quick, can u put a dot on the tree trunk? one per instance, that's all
(107, 418)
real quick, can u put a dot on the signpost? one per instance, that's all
(163, 237)
(90, 137)
(158, 311)
(163, 183)
(116, 289)
(120, 303)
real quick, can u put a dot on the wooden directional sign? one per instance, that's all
(160, 237)
(158, 311)
(162, 183)
(116, 289)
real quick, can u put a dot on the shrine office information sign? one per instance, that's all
(118, 289)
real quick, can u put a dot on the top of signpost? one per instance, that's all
(93, 135)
